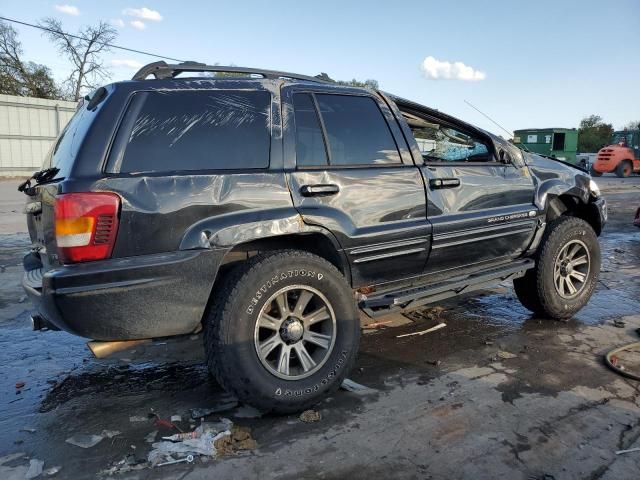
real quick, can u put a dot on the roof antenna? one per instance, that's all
(487, 116)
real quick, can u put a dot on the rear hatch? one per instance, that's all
(42, 188)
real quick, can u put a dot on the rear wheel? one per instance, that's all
(624, 169)
(283, 332)
(566, 272)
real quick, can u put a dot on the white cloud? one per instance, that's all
(137, 24)
(117, 22)
(435, 69)
(143, 13)
(126, 63)
(68, 9)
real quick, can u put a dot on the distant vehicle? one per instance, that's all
(586, 160)
(622, 157)
(262, 209)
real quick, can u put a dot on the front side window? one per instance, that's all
(357, 133)
(439, 143)
(199, 130)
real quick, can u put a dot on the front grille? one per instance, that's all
(104, 229)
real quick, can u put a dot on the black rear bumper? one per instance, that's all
(125, 298)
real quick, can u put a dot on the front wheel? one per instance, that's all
(624, 169)
(566, 272)
(284, 331)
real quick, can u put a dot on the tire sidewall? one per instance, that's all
(258, 285)
(564, 232)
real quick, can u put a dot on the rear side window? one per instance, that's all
(357, 132)
(199, 130)
(65, 149)
(310, 149)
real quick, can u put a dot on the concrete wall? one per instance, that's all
(28, 128)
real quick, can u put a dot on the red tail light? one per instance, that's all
(86, 225)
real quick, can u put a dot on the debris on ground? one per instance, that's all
(175, 418)
(11, 457)
(247, 411)
(151, 436)
(128, 464)
(35, 468)
(435, 363)
(110, 433)
(199, 442)
(51, 471)
(222, 406)
(354, 387)
(619, 323)
(630, 450)
(19, 385)
(85, 441)
(138, 418)
(310, 416)
(504, 355)
(625, 360)
(239, 439)
(422, 332)
(28, 430)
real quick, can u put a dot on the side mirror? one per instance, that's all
(504, 157)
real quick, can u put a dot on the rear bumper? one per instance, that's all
(127, 298)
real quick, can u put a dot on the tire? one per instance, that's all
(595, 173)
(541, 289)
(624, 169)
(233, 339)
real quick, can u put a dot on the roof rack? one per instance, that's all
(162, 70)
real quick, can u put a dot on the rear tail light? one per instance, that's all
(86, 225)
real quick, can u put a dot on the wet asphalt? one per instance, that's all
(68, 392)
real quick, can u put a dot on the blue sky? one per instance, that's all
(527, 64)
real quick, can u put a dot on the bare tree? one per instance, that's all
(84, 50)
(19, 77)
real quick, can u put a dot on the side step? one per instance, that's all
(389, 302)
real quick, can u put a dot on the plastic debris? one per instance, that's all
(110, 433)
(85, 441)
(630, 450)
(51, 471)
(220, 407)
(176, 418)
(151, 436)
(19, 385)
(351, 386)
(28, 430)
(35, 468)
(11, 457)
(422, 332)
(310, 416)
(247, 411)
(199, 442)
(138, 418)
(504, 355)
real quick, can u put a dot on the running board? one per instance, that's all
(394, 301)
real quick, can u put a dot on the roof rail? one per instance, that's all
(161, 70)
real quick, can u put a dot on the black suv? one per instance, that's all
(269, 208)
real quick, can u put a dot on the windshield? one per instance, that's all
(622, 138)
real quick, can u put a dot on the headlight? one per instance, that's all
(593, 187)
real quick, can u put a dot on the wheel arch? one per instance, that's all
(567, 204)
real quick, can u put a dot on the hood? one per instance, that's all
(534, 159)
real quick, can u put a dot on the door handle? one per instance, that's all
(319, 190)
(436, 183)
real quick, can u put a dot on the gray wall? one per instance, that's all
(28, 129)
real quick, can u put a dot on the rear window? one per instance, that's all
(199, 130)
